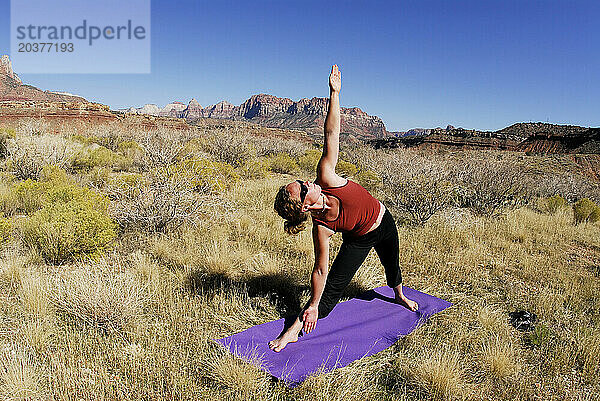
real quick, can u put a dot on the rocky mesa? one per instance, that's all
(271, 111)
(526, 137)
(24, 102)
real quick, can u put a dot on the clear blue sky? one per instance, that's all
(477, 64)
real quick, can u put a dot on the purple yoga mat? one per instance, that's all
(360, 327)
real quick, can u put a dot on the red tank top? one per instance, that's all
(358, 209)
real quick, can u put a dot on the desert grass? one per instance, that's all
(138, 322)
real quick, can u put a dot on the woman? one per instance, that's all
(337, 205)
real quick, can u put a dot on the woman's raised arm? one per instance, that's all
(326, 167)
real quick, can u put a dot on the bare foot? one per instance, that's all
(408, 303)
(280, 342)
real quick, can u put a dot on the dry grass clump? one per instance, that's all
(587, 351)
(20, 373)
(493, 321)
(440, 372)
(364, 379)
(109, 302)
(40, 334)
(65, 221)
(12, 263)
(33, 294)
(498, 356)
(235, 377)
(552, 204)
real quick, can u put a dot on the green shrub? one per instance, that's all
(129, 148)
(585, 210)
(283, 163)
(131, 151)
(195, 148)
(254, 168)
(206, 175)
(554, 203)
(5, 229)
(53, 173)
(100, 156)
(128, 179)
(345, 169)
(86, 139)
(99, 176)
(65, 231)
(30, 195)
(33, 195)
(541, 336)
(309, 160)
(66, 221)
(595, 215)
(368, 179)
(8, 132)
(5, 135)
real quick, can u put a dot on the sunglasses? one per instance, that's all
(303, 190)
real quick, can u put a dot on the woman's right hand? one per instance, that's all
(309, 318)
(335, 79)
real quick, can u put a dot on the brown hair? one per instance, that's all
(291, 210)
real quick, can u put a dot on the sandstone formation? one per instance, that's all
(222, 110)
(526, 137)
(192, 111)
(270, 111)
(6, 69)
(149, 109)
(57, 114)
(54, 111)
(12, 88)
(173, 109)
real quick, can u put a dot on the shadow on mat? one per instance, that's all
(281, 289)
(371, 295)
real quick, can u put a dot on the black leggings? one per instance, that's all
(353, 253)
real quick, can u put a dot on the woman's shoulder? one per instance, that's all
(332, 183)
(327, 177)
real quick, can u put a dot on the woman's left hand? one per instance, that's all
(310, 317)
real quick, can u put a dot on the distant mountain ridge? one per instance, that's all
(13, 89)
(18, 100)
(275, 112)
(527, 137)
